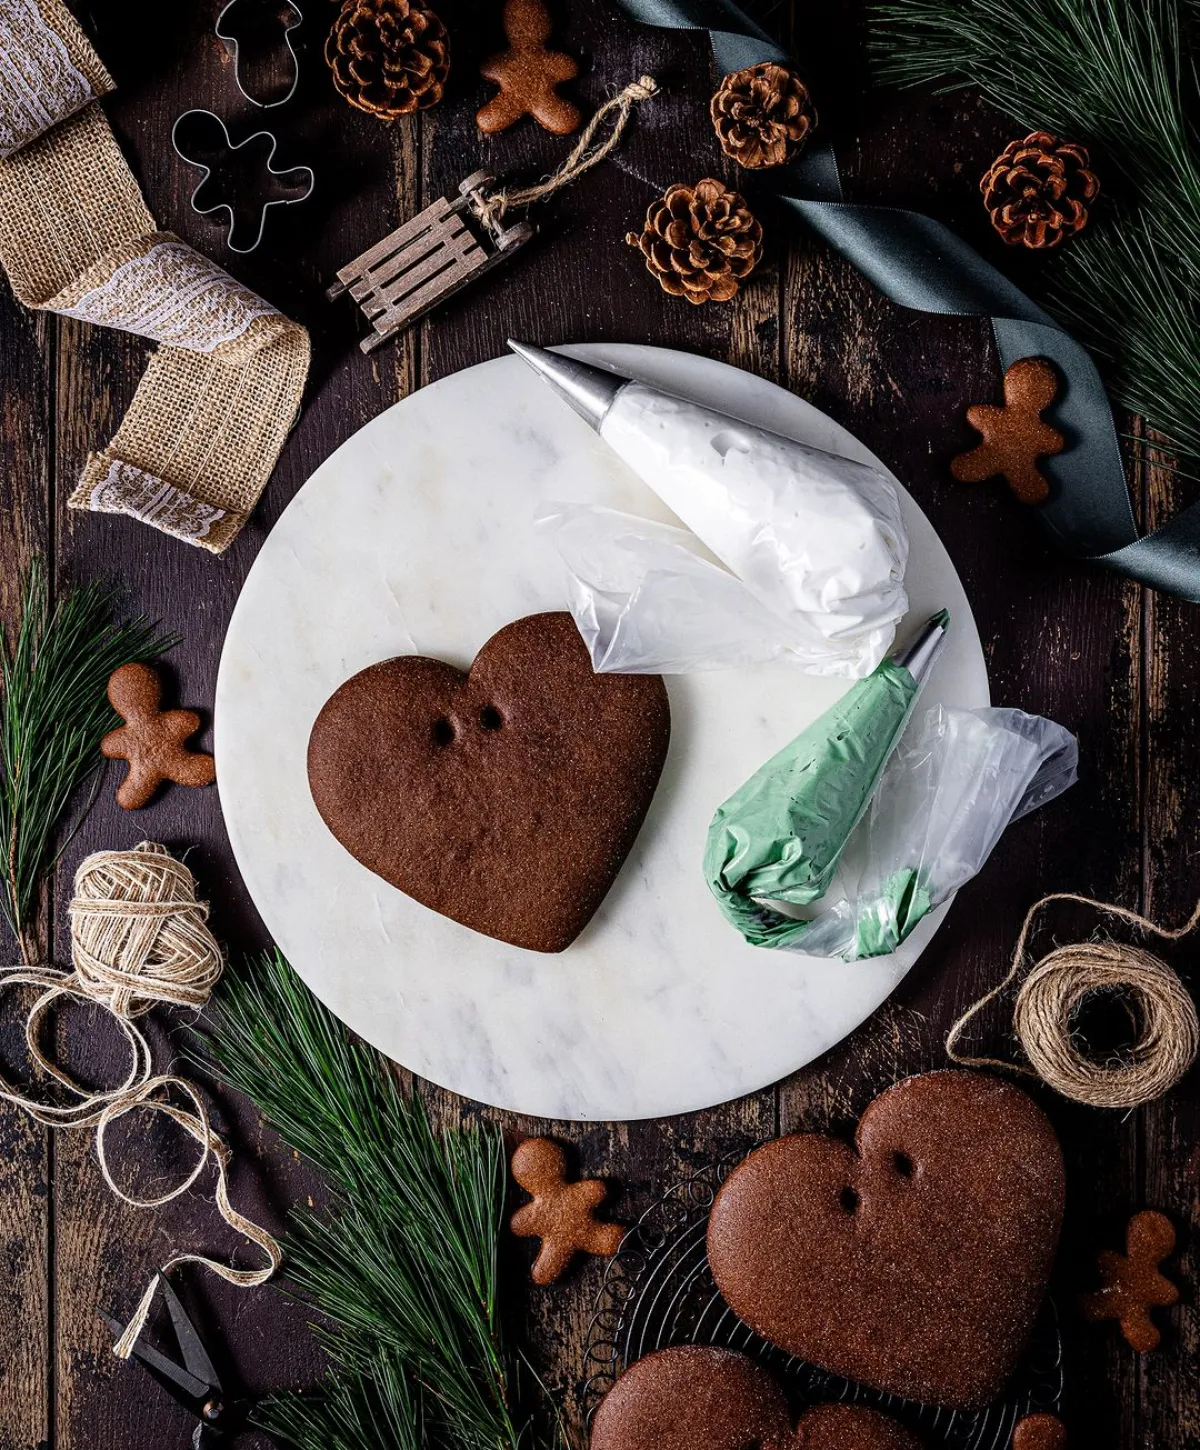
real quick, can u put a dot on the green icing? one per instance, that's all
(905, 902)
(780, 837)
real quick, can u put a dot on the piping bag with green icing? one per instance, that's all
(955, 783)
(779, 838)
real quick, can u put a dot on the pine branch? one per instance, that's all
(1150, 366)
(1111, 72)
(1119, 75)
(53, 714)
(403, 1265)
(371, 1407)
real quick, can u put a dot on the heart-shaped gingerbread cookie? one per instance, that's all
(914, 1261)
(505, 798)
(695, 1397)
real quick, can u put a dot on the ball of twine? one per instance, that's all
(1168, 1037)
(139, 937)
(139, 940)
(1056, 987)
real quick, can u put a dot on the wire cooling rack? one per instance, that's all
(658, 1291)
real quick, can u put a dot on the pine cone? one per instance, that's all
(700, 241)
(763, 115)
(389, 57)
(1037, 191)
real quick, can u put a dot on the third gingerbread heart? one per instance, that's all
(913, 1260)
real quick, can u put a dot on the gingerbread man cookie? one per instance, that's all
(151, 740)
(1014, 436)
(528, 75)
(1039, 1432)
(562, 1214)
(1130, 1283)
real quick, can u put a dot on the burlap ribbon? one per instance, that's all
(210, 416)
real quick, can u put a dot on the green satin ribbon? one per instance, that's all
(921, 264)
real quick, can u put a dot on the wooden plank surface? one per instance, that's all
(1093, 652)
(1169, 1138)
(26, 1247)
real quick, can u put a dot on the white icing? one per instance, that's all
(816, 537)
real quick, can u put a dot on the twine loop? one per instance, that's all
(584, 155)
(139, 940)
(1161, 1011)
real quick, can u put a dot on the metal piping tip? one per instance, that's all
(589, 390)
(919, 655)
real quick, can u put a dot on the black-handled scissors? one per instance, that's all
(194, 1384)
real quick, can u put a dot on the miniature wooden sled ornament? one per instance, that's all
(440, 251)
(453, 243)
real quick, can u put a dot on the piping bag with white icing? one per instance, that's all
(811, 546)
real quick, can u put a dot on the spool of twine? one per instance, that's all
(1049, 999)
(139, 940)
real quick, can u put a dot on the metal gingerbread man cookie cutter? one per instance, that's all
(212, 195)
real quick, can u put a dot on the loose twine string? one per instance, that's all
(1162, 1011)
(139, 940)
(585, 154)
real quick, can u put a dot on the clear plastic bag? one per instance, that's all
(648, 599)
(955, 782)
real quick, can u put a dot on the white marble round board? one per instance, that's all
(417, 536)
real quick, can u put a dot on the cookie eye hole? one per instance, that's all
(443, 731)
(848, 1199)
(903, 1165)
(490, 718)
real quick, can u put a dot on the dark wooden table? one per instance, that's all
(1104, 657)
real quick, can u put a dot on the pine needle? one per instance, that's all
(372, 1407)
(1151, 361)
(403, 1265)
(1118, 75)
(53, 714)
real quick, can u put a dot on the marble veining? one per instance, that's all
(417, 535)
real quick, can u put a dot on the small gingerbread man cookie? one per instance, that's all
(1039, 1432)
(1014, 436)
(151, 740)
(562, 1214)
(528, 75)
(1130, 1283)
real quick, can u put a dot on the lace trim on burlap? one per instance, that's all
(219, 394)
(172, 295)
(39, 85)
(127, 489)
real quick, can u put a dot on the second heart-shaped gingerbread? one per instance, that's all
(915, 1260)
